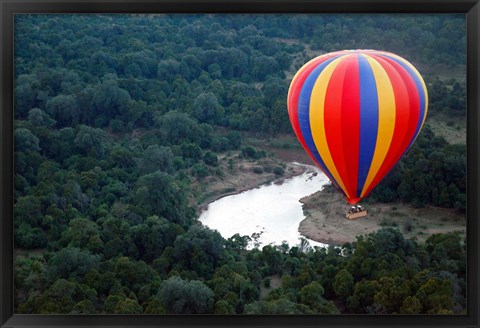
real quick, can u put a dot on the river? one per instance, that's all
(272, 212)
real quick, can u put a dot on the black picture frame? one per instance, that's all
(8, 8)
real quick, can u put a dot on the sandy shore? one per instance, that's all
(242, 179)
(325, 220)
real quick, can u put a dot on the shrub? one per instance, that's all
(408, 226)
(266, 282)
(250, 152)
(278, 170)
(210, 159)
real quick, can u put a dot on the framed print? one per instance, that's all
(247, 163)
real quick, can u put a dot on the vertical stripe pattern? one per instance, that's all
(356, 113)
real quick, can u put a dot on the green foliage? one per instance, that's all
(79, 233)
(278, 170)
(206, 108)
(266, 282)
(311, 294)
(223, 307)
(251, 152)
(210, 158)
(61, 297)
(90, 141)
(176, 126)
(156, 158)
(115, 123)
(71, 263)
(199, 250)
(25, 140)
(343, 283)
(84, 307)
(281, 306)
(64, 110)
(158, 193)
(28, 237)
(128, 306)
(132, 274)
(38, 117)
(432, 172)
(186, 297)
(200, 170)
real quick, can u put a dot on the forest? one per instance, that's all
(118, 116)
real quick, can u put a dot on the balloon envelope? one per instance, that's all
(356, 113)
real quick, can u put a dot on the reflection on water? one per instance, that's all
(271, 213)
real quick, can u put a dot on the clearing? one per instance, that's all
(325, 220)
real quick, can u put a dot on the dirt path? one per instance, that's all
(325, 220)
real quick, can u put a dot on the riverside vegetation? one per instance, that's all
(121, 120)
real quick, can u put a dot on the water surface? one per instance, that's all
(272, 211)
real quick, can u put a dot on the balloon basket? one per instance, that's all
(356, 215)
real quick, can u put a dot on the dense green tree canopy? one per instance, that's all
(122, 120)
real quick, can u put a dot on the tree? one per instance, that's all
(280, 306)
(61, 147)
(159, 194)
(156, 158)
(199, 249)
(71, 263)
(175, 126)
(206, 108)
(200, 170)
(25, 140)
(28, 237)
(168, 69)
(83, 307)
(273, 89)
(237, 242)
(64, 109)
(250, 152)
(133, 274)
(28, 209)
(411, 305)
(234, 139)
(128, 306)
(152, 237)
(272, 258)
(109, 100)
(223, 307)
(312, 294)
(121, 157)
(26, 88)
(116, 125)
(38, 117)
(186, 297)
(91, 141)
(210, 159)
(59, 298)
(79, 233)
(388, 240)
(436, 296)
(363, 295)
(343, 284)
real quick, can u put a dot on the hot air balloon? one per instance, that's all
(356, 113)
